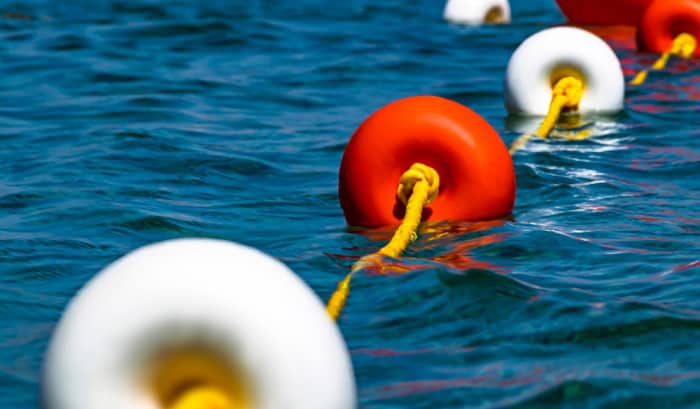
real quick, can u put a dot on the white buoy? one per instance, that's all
(197, 314)
(549, 55)
(475, 12)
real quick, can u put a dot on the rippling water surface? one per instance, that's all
(127, 122)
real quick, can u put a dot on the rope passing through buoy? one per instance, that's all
(169, 326)
(671, 28)
(547, 76)
(566, 94)
(442, 154)
(476, 12)
(418, 187)
(683, 46)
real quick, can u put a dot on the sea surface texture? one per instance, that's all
(125, 122)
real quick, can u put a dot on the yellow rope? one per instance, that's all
(340, 295)
(204, 397)
(566, 93)
(418, 187)
(198, 378)
(585, 134)
(683, 46)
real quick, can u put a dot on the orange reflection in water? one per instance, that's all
(452, 236)
(433, 235)
(669, 90)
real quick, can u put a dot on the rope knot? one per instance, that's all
(566, 93)
(569, 88)
(418, 172)
(684, 45)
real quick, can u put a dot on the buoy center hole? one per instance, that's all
(195, 378)
(681, 24)
(560, 73)
(495, 15)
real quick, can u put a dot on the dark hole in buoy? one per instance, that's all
(181, 389)
(400, 211)
(495, 15)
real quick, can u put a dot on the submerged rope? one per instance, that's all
(683, 46)
(566, 94)
(418, 187)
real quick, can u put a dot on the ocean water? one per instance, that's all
(128, 122)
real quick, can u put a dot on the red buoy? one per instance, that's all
(604, 12)
(664, 20)
(477, 180)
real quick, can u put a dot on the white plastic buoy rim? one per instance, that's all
(553, 53)
(475, 12)
(220, 299)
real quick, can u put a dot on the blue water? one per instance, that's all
(127, 122)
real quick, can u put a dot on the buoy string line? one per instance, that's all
(566, 94)
(683, 46)
(418, 187)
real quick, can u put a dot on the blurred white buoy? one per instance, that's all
(475, 12)
(552, 54)
(195, 323)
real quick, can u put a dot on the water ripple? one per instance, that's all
(132, 121)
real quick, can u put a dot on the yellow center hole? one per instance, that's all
(563, 72)
(198, 379)
(495, 15)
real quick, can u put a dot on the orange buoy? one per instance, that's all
(664, 20)
(604, 12)
(477, 180)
